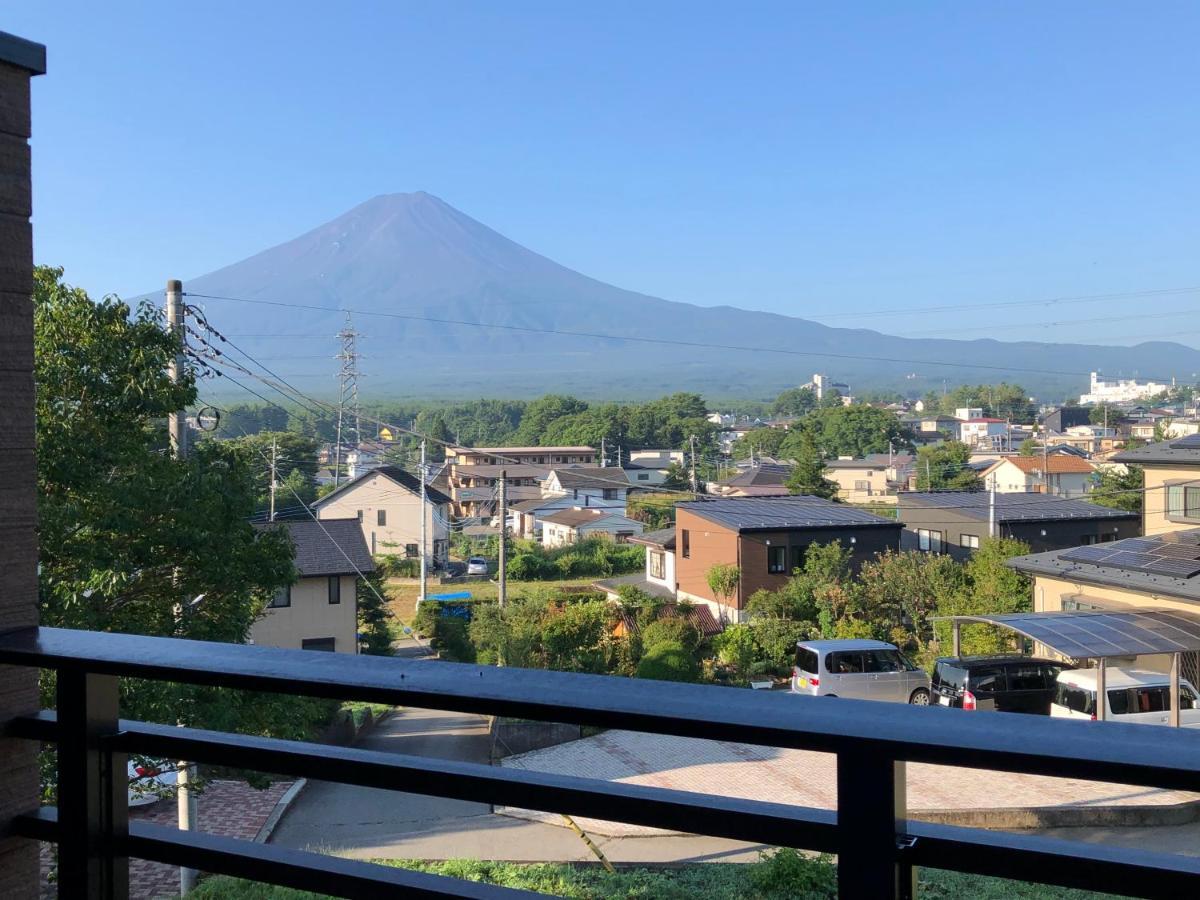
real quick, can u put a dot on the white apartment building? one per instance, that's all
(1122, 390)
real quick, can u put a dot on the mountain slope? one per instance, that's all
(414, 255)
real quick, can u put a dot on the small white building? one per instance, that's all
(1121, 390)
(570, 526)
(982, 431)
(319, 611)
(1058, 474)
(386, 502)
(658, 580)
(648, 468)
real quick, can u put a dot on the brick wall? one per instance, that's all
(18, 501)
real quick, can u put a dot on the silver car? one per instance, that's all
(477, 565)
(862, 669)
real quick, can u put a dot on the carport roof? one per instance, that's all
(1097, 634)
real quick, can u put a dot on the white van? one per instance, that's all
(1134, 696)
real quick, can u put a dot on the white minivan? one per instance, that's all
(1134, 696)
(861, 669)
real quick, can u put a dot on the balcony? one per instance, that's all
(877, 846)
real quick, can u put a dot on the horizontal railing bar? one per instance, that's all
(41, 726)
(1100, 867)
(727, 817)
(270, 863)
(1100, 751)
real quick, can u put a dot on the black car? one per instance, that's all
(1005, 683)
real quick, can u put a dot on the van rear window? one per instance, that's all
(1075, 699)
(948, 675)
(806, 660)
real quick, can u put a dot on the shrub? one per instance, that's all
(668, 661)
(574, 638)
(777, 638)
(676, 630)
(530, 567)
(787, 873)
(736, 647)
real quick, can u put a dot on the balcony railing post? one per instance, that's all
(93, 790)
(871, 807)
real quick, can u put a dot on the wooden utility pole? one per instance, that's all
(177, 425)
(695, 490)
(502, 508)
(424, 532)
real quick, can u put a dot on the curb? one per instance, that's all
(268, 827)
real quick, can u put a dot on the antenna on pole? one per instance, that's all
(347, 393)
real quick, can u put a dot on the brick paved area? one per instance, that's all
(803, 778)
(230, 808)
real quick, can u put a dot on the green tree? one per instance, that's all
(374, 616)
(763, 441)
(1002, 401)
(796, 402)
(541, 412)
(988, 586)
(668, 661)
(1103, 413)
(1030, 447)
(1120, 489)
(723, 579)
(296, 466)
(944, 467)
(808, 475)
(851, 431)
(573, 639)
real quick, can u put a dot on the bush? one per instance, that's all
(675, 630)
(736, 647)
(787, 873)
(397, 566)
(530, 567)
(668, 661)
(777, 638)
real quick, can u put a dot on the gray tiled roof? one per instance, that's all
(662, 537)
(610, 477)
(774, 513)
(402, 477)
(761, 474)
(1173, 451)
(328, 547)
(1012, 507)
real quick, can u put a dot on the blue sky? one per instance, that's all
(819, 160)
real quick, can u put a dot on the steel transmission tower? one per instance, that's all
(348, 409)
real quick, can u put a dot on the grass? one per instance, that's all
(779, 875)
(358, 710)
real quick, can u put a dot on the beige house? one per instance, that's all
(569, 526)
(1059, 474)
(320, 610)
(471, 474)
(386, 504)
(873, 479)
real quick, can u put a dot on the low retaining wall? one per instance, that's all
(511, 737)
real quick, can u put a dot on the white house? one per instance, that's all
(648, 468)
(386, 502)
(569, 526)
(1059, 474)
(596, 488)
(319, 611)
(981, 430)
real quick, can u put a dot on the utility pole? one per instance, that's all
(502, 571)
(424, 514)
(185, 797)
(695, 490)
(274, 470)
(992, 508)
(1045, 460)
(928, 476)
(603, 453)
(347, 392)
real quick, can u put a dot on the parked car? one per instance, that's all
(477, 565)
(1134, 696)
(149, 780)
(1011, 683)
(862, 669)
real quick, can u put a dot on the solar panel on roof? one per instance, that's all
(1087, 554)
(1180, 537)
(1175, 568)
(1124, 560)
(1191, 442)
(1137, 545)
(1177, 551)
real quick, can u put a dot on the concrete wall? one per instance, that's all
(311, 615)
(18, 474)
(403, 513)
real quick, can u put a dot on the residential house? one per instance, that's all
(1172, 483)
(766, 538)
(966, 413)
(955, 522)
(570, 526)
(1066, 417)
(938, 424)
(759, 480)
(648, 468)
(386, 504)
(983, 430)
(319, 611)
(1090, 439)
(658, 580)
(1059, 474)
(874, 479)
(471, 475)
(605, 488)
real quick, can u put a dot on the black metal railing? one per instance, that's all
(877, 846)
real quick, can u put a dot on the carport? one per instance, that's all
(1102, 635)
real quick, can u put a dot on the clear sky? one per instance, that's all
(816, 159)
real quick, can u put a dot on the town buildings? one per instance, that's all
(470, 476)
(570, 526)
(1060, 474)
(1121, 390)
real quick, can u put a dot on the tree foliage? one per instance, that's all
(853, 431)
(723, 579)
(795, 402)
(944, 467)
(808, 474)
(1120, 489)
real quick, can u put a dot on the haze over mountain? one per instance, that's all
(414, 255)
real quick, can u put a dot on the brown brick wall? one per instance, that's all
(18, 511)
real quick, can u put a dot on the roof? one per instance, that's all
(1099, 634)
(699, 615)
(405, 479)
(856, 464)
(610, 477)
(1157, 565)
(533, 505)
(763, 474)
(985, 419)
(510, 451)
(509, 470)
(846, 644)
(1054, 464)
(796, 511)
(662, 537)
(754, 490)
(16, 51)
(639, 581)
(327, 546)
(1012, 507)
(1183, 451)
(1116, 678)
(575, 517)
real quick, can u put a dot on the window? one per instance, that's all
(1026, 678)
(777, 558)
(381, 517)
(1091, 539)
(610, 493)
(1183, 501)
(862, 485)
(969, 541)
(282, 598)
(883, 661)
(685, 541)
(326, 644)
(335, 588)
(1107, 538)
(1075, 699)
(844, 663)
(658, 564)
(797, 558)
(806, 660)
(360, 515)
(986, 680)
(929, 541)
(411, 551)
(643, 476)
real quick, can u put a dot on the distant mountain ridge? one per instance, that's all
(415, 255)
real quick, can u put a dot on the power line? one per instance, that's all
(638, 339)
